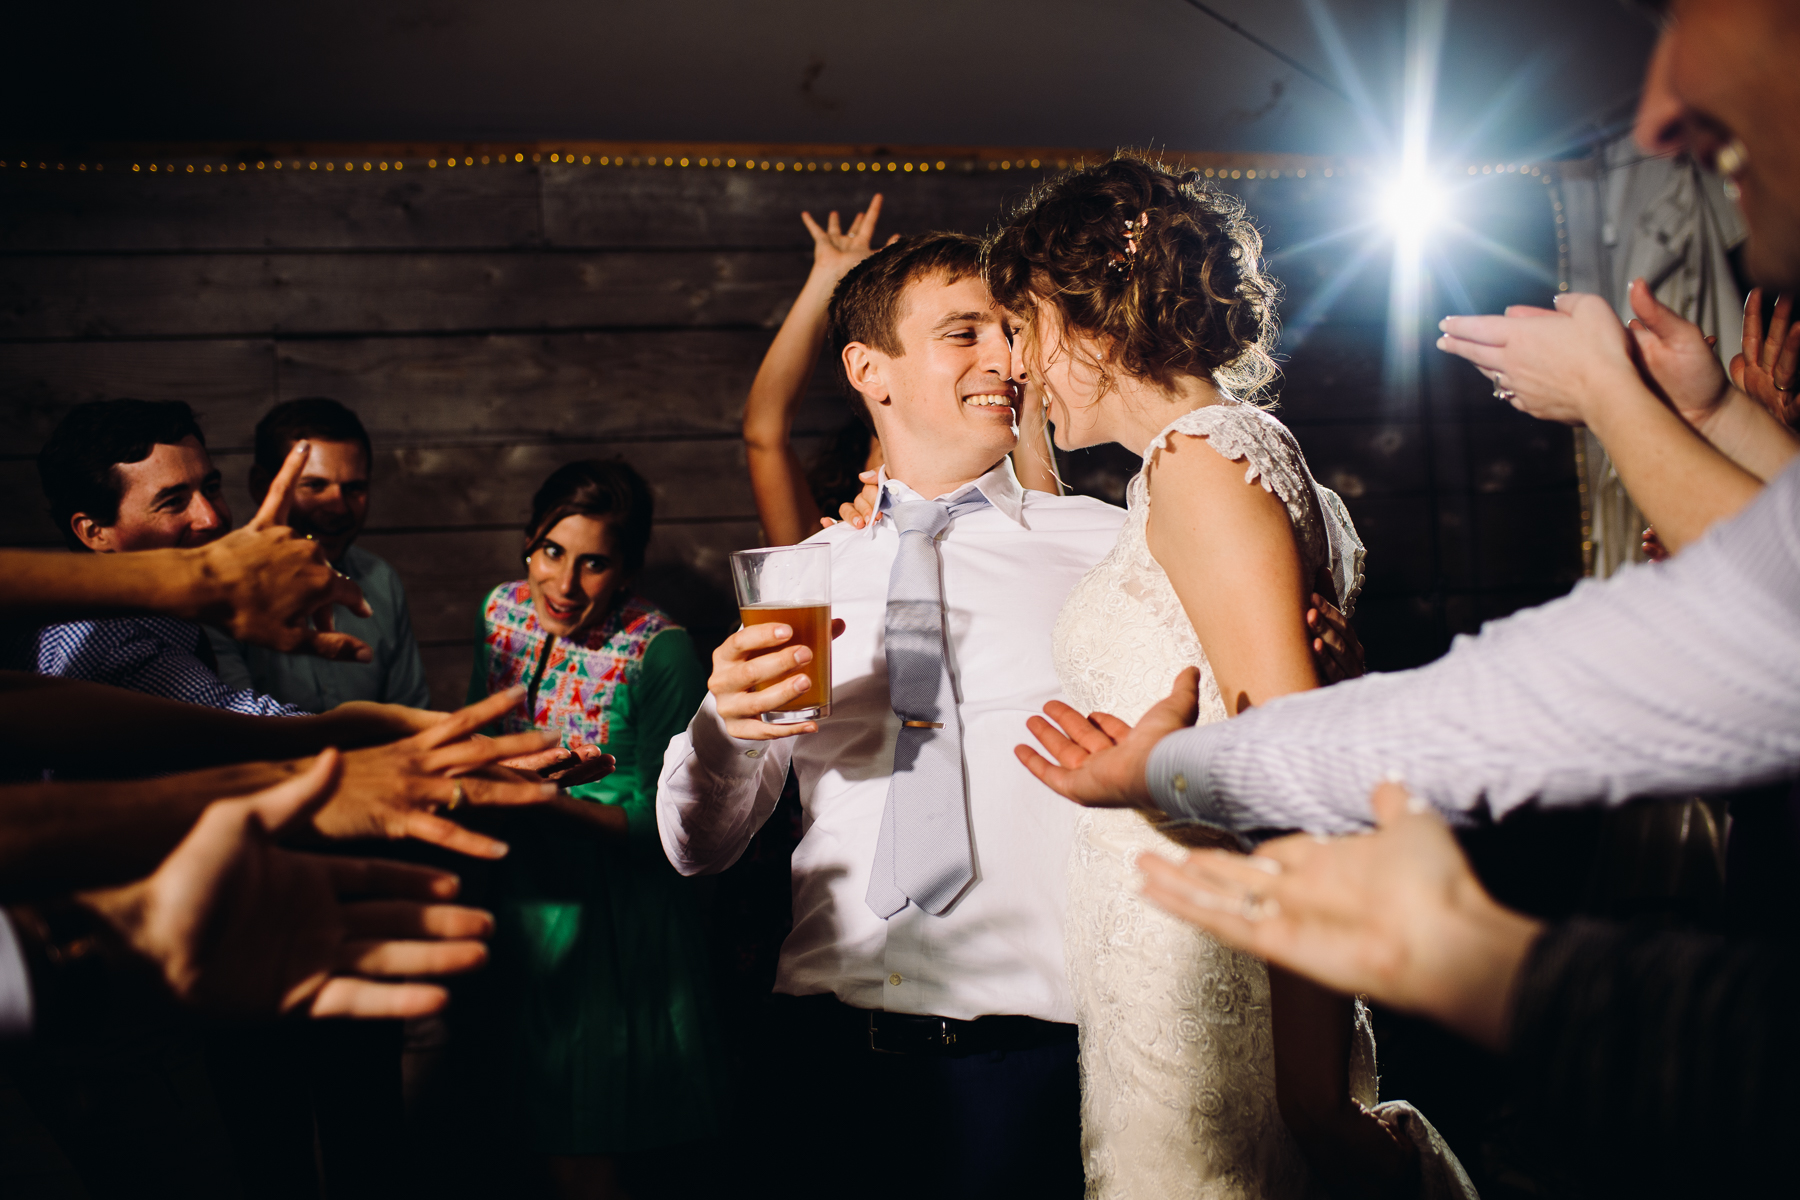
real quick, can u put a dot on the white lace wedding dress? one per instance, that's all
(1177, 1068)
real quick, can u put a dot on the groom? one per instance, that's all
(924, 1042)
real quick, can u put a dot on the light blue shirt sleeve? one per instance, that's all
(1665, 680)
(15, 985)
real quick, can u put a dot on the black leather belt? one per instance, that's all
(911, 1033)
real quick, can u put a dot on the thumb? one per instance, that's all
(1390, 802)
(1736, 370)
(1657, 317)
(1183, 703)
(287, 803)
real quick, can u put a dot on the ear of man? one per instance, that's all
(866, 369)
(93, 535)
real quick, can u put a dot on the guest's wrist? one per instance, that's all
(1468, 966)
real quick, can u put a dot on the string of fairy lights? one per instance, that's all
(351, 164)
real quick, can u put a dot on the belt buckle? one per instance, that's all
(942, 1038)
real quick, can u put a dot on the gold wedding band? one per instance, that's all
(457, 798)
(923, 724)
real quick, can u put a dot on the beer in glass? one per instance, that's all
(791, 585)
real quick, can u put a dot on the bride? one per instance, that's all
(1146, 319)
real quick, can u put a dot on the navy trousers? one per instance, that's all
(852, 1122)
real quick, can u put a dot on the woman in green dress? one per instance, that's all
(611, 1043)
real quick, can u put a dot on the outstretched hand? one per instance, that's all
(1767, 367)
(237, 926)
(1100, 760)
(399, 790)
(1396, 915)
(269, 586)
(566, 766)
(836, 250)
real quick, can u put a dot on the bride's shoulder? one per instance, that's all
(1230, 426)
(1237, 433)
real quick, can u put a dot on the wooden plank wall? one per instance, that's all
(490, 323)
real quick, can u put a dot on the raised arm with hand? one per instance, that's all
(784, 502)
(261, 584)
(1576, 365)
(237, 926)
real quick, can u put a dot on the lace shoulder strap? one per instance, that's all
(1271, 457)
(1242, 432)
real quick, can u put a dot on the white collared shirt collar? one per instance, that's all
(1000, 486)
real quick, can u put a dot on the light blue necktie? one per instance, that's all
(924, 852)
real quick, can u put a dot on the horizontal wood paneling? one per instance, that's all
(259, 210)
(229, 295)
(229, 383)
(666, 384)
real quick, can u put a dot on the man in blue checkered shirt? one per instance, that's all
(125, 475)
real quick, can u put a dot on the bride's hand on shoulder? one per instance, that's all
(1337, 651)
(1100, 760)
(860, 511)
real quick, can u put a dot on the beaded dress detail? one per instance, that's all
(1177, 1065)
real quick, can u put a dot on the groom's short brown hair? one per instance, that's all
(866, 307)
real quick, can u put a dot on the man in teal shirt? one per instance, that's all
(331, 504)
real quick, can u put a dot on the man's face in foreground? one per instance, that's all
(173, 498)
(948, 405)
(1725, 70)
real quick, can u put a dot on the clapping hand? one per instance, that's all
(1100, 760)
(237, 926)
(1679, 359)
(266, 585)
(1766, 368)
(836, 250)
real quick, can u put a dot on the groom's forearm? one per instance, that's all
(715, 792)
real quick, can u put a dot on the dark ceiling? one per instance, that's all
(1519, 78)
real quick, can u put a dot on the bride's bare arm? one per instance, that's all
(1228, 548)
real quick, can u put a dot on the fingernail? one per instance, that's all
(1443, 343)
(782, 631)
(1444, 324)
(800, 683)
(547, 791)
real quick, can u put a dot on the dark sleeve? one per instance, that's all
(669, 690)
(1651, 1062)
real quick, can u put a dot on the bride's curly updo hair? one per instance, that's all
(1163, 271)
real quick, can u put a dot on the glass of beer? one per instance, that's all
(791, 585)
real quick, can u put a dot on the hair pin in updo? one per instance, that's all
(1134, 231)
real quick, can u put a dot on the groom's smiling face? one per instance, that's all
(950, 394)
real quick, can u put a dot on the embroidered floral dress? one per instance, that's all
(606, 1015)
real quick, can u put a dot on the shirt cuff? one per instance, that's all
(1177, 775)
(719, 753)
(15, 985)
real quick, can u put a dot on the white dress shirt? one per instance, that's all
(1006, 571)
